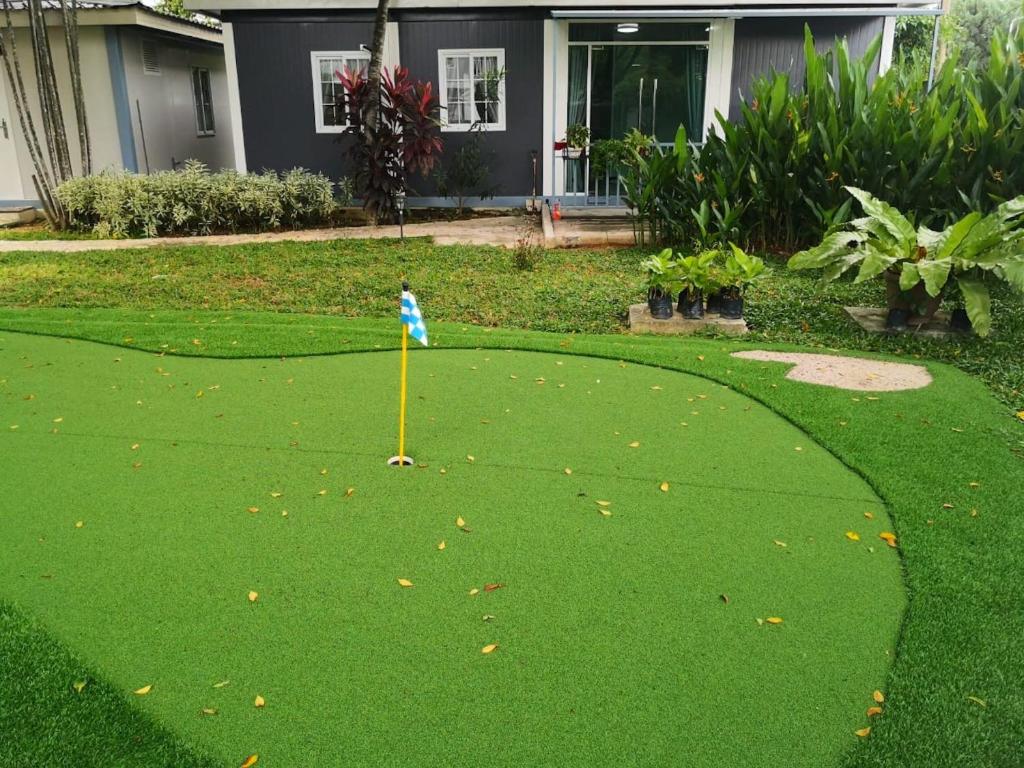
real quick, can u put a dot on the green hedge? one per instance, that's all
(194, 201)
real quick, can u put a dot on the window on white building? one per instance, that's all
(202, 96)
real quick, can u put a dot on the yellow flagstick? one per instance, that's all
(401, 407)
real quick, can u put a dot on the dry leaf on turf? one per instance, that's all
(253, 596)
(474, 591)
(976, 700)
(604, 503)
(441, 544)
(878, 696)
(853, 536)
(470, 459)
(208, 711)
(872, 711)
(459, 522)
(349, 491)
(253, 510)
(605, 512)
(489, 648)
(78, 686)
(778, 543)
(863, 732)
(275, 494)
(492, 587)
(259, 701)
(888, 538)
(221, 684)
(250, 761)
(724, 598)
(774, 620)
(404, 583)
(635, 444)
(567, 471)
(143, 690)
(869, 515)
(664, 487)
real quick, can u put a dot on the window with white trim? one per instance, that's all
(332, 117)
(202, 97)
(472, 88)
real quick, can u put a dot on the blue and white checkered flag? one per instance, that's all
(412, 317)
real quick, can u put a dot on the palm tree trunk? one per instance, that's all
(380, 28)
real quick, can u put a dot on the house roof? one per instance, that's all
(735, 8)
(124, 13)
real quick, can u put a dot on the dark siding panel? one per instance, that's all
(523, 41)
(275, 84)
(765, 44)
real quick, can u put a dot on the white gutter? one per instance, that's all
(744, 13)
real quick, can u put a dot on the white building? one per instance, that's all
(155, 91)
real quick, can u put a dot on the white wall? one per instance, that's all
(99, 103)
(167, 106)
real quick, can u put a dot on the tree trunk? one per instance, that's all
(380, 28)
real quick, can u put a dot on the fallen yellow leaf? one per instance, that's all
(872, 711)
(863, 732)
(143, 690)
(404, 583)
(322, 492)
(441, 544)
(567, 471)
(79, 524)
(276, 494)
(664, 487)
(78, 686)
(135, 446)
(474, 591)
(250, 761)
(888, 538)
(778, 543)
(1020, 415)
(253, 596)
(349, 491)
(253, 510)
(459, 522)
(869, 515)
(489, 648)
(221, 684)
(878, 696)
(470, 459)
(774, 620)
(208, 711)
(259, 701)
(853, 536)
(635, 444)
(601, 503)
(976, 700)
(605, 512)
(199, 393)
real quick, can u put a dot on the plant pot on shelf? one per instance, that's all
(660, 304)
(714, 302)
(691, 304)
(959, 321)
(573, 153)
(731, 306)
(914, 307)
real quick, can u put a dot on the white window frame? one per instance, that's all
(197, 102)
(442, 79)
(315, 57)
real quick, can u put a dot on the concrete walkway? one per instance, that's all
(498, 230)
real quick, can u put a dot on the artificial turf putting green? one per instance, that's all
(614, 645)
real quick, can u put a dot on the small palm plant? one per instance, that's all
(920, 265)
(662, 283)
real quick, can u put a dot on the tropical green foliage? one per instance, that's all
(662, 276)
(968, 254)
(194, 201)
(741, 271)
(705, 271)
(775, 179)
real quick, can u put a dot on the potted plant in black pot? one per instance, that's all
(692, 273)
(662, 282)
(741, 271)
(714, 284)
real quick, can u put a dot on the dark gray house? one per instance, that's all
(606, 64)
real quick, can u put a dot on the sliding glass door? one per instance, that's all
(650, 77)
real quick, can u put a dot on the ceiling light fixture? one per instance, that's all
(627, 28)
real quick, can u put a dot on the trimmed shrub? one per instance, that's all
(194, 201)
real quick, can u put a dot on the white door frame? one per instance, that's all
(717, 93)
(10, 172)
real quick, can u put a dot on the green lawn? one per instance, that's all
(614, 646)
(569, 291)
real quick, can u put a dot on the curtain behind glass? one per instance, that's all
(576, 112)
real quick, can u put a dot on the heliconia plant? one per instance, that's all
(920, 264)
